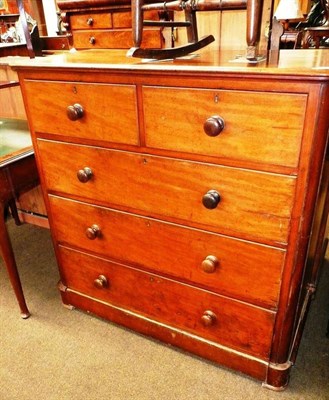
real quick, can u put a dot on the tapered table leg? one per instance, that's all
(10, 263)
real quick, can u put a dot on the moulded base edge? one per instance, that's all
(222, 355)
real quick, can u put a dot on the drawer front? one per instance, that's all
(123, 19)
(252, 204)
(90, 20)
(114, 39)
(234, 324)
(236, 268)
(258, 127)
(103, 117)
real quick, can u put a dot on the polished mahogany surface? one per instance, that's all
(185, 196)
(291, 62)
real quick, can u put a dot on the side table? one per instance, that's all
(18, 173)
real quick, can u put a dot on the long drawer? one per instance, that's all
(106, 20)
(236, 268)
(258, 127)
(245, 204)
(103, 115)
(213, 317)
(114, 39)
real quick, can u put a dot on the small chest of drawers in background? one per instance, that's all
(183, 206)
(104, 26)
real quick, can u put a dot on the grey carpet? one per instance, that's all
(58, 354)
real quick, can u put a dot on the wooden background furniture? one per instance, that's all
(217, 23)
(32, 7)
(193, 215)
(31, 45)
(103, 24)
(317, 33)
(18, 173)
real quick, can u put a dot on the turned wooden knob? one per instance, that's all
(84, 175)
(74, 112)
(213, 126)
(211, 199)
(92, 40)
(209, 264)
(90, 21)
(93, 231)
(208, 318)
(101, 282)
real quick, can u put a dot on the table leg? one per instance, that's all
(14, 212)
(10, 263)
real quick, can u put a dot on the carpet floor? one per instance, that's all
(58, 354)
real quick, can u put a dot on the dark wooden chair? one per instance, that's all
(190, 8)
(33, 43)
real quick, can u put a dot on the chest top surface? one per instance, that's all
(292, 63)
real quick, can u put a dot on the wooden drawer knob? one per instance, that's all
(209, 264)
(84, 175)
(90, 22)
(211, 199)
(213, 126)
(74, 112)
(208, 318)
(92, 40)
(101, 282)
(93, 231)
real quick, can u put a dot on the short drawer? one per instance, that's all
(90, 20)
(213, 317)
(240, 269)
(114, 39)
(109, 111)
(258, 127)
(247, 204)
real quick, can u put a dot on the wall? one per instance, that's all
(304, 5)
(228, 28)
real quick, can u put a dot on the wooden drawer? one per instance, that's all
(253, 205)
(259, 127)
(90, 20)
(114, 39)
(104, 117)
(106, 20)
(244, 270)
(237, 325)
(123, 19)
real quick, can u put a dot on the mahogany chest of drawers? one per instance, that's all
(104, 24)
(185, 199)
